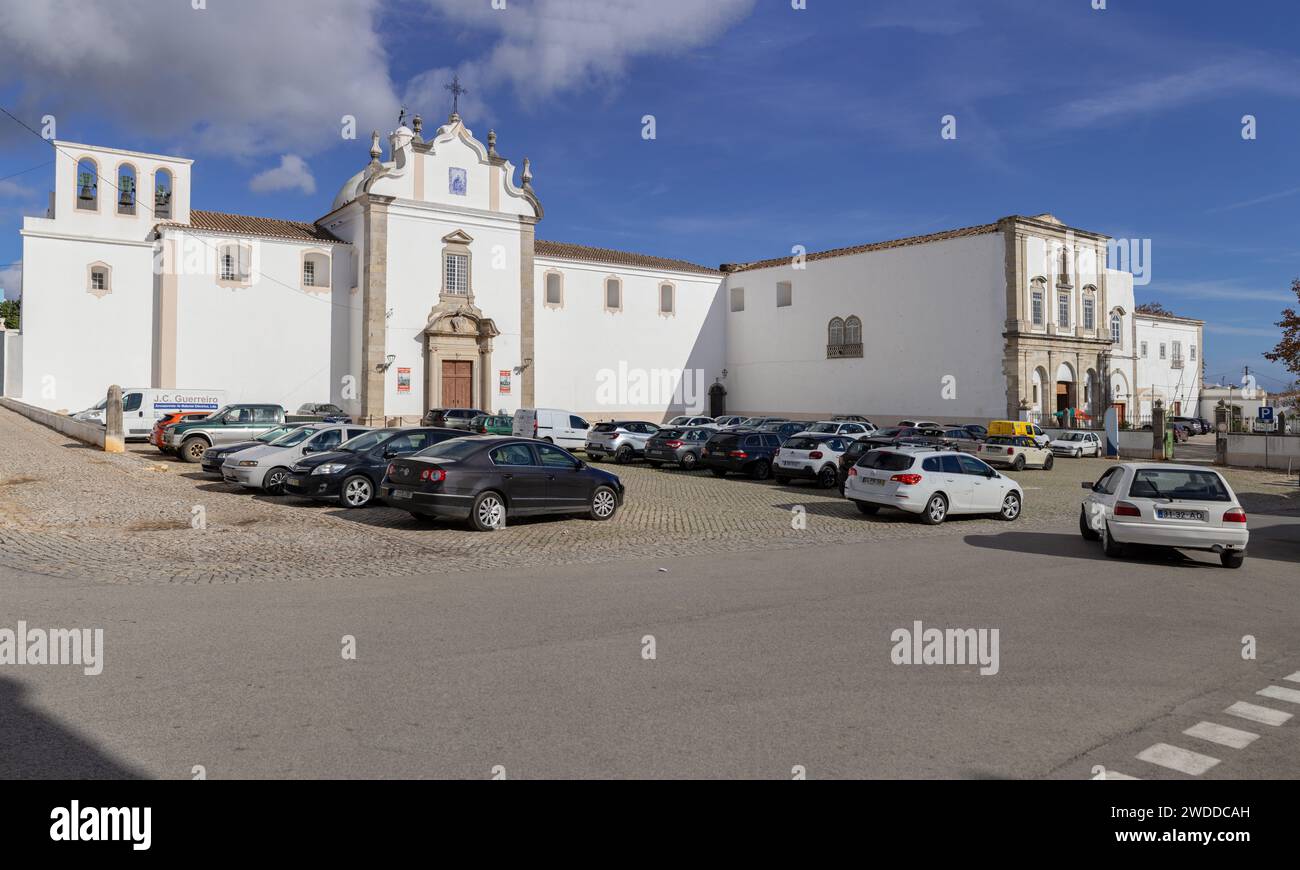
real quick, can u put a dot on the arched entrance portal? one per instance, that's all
(458, 357)
(1066, 392)
(717, 400)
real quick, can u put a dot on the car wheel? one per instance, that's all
(1088, 532)
(624, 455)
(829, 477)
(192, 449)
(719, 472)
(653, 463)
(762, 470)
(936, 510)
(604, 503)
(548, 440)
(1232, 558)
(488, 512)
(1078, 454)
(867, 509)
(1111, 547)
(689, 461)
(274, 482)
(1019, 464)
(1010, 507)
(1049, 462)
(356, 492)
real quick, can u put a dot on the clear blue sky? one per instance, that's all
(775, 126)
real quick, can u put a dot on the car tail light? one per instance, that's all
(1124, 509)
(853, 471)
(674, 444)
(907, 479)
(389, 472)
(433, 475)
(738, 454)
(816, 454)
(534, 428)
(1010, 450)
(1236, 515)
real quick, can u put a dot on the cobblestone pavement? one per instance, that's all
(67, 510)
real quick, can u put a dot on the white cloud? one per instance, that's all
(243, 77)
(548, 46)
(293, 173)
(14, 190)
(11, 280)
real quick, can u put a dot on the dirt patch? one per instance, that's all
(18, 481)
(158, 525)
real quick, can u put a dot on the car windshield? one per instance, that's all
(887, 461)
(1003, 439)
(823, 427)
(456, 448)
(1073, 436)
(1181, 484)
(269, 437)
(367, 440)
(667, 434)
(800, 444)
(294, 437)
(679, 421)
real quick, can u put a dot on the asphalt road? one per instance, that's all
(763, 661)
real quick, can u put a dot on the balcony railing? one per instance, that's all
(1176, 363)
(842, 351)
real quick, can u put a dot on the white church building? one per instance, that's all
(425, 286)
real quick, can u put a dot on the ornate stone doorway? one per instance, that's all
(458, 357)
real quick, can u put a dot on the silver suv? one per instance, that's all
(624, 440)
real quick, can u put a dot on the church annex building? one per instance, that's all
(426, 286)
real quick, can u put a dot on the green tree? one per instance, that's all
(11, 312)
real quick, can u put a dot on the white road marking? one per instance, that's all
(1295, 678)
(1281, 693)
(1222, 735)
(1181, 760)
(1256, 713)
(1115, 774)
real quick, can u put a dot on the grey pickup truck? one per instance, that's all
(188, 439)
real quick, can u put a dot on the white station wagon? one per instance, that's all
(1161, 505)
(932, 484)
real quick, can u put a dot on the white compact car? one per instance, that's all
(688, 420)
(1076, 444)
(932, 483)
(851, 428)
(1161, 505)
(266, 467)
(812, 457)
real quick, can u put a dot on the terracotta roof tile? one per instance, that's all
(243, 225)
(566, 251)
(980, 230)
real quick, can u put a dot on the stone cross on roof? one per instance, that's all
(456, 91)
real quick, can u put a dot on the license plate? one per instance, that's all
(401, 493)
(874, 481)
(295, 481)
(1199, 516)
(788, 463)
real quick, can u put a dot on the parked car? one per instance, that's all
(783, 430)
(450, 418)
(1164, 505)
(493, 424)
(920, 424)
(551, 425)
(756, 422)
(728, 420)
(1194, 424)
(190, 438)
(214, 457)
(743, 452)
(351, 473)
(1016, 452)
(156, 436)
(314, 412)
(688, 420)
(681, 446)
(1020, 427)
(621, 440)
(811, 457)
(485, 480)
(932, 484)
(1206, 425)
(980, 432)
(142, 407)
(838, 427)
(854, 418)
(267, 467)
(1076, 444)
(895, 435)
(961, 438)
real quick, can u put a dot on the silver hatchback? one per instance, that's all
(621, 440)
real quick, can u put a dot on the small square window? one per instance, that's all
(309, 274)
(737, 298)
(784, 294)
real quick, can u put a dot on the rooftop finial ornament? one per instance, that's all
(456, 91)
(492, 143)
(401, 117)
(417, 124)
(375, 150)
(527, 175)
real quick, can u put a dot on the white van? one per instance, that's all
(144, 406)
(552, 424)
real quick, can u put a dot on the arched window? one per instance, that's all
(87, 184)
(667, 298)
(1116, 333)
(554, 290)
(162, 194)
(99, 279)
(613, 294)
(234, 263)
(126, 189)
(853, 330)
(316, 270)
(835, 332)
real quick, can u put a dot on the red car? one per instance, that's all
(155, 437)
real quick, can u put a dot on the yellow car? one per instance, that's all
(1020, 427)
(1016, 452)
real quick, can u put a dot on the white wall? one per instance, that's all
(1156, 377)
(927, 311)
(603, 363)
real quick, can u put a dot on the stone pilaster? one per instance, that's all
(527, 344)
(374, 307)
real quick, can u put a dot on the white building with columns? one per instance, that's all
(425, 285)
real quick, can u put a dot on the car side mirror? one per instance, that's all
(1087, 485)
(578, 465)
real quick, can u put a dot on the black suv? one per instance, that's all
(745, 452)
(451, 418)
(351, 473)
